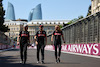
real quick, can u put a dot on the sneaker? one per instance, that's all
(56, 61)
(21, 62)
(38, 62)
(24, 62)
(42, 62)
(59, 60)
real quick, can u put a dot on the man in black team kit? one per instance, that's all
(57, 34)
(41, 40)
(24, 41)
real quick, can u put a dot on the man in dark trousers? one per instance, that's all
(24, 41)
(41, 41)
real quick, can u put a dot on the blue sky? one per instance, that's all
(51, 9)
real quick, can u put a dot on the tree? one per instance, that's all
(3, 28)
(75, 20)
(89, 11)
(80, 17)
(60, 26)
(72, 21)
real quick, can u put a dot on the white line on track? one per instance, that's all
(6, 49)
(80, 54)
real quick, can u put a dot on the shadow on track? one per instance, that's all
(14, 50)
(10, 61)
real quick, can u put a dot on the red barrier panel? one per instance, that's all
(91, 49)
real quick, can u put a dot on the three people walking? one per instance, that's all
(41, 41)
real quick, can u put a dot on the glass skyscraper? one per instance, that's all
(36, 13)
(30, 15)
(10, 15)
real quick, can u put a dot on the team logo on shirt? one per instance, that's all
(24, 35)
(41, 34)
(57, 33)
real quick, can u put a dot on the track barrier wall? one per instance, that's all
(4, 41)
(83, 36)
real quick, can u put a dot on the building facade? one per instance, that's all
(49, 26)
(15, 27)
(33, 26)
(95, 6)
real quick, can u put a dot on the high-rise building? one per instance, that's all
(95, 6)
(36, 13)
(30, 15)
(10, 15)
